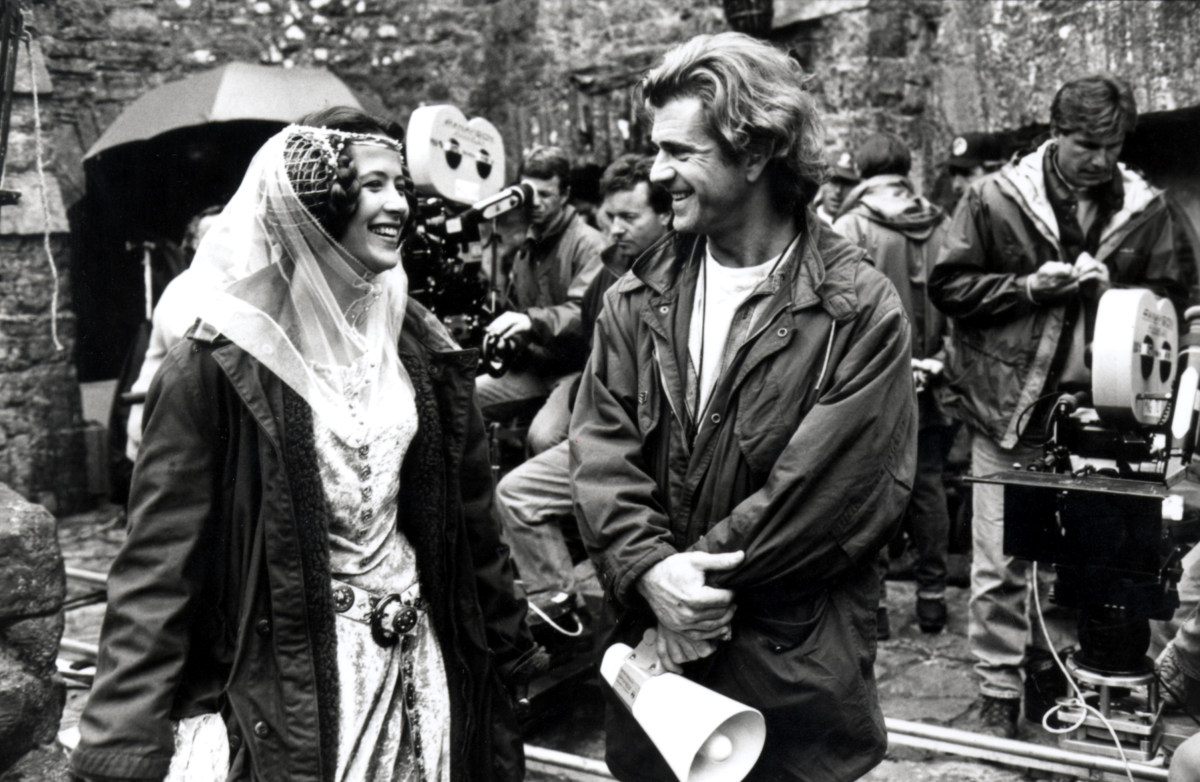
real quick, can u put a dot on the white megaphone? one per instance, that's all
(703, 736)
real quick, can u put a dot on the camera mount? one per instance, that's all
(1104, 508)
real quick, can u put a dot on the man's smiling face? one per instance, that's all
(707, 188)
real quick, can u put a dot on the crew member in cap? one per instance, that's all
(843, 176)
(972, 155)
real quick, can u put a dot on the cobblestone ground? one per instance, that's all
(925, 678)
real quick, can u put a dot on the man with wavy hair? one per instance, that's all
(745, 433)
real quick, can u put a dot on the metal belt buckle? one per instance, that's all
(343, 599)
(391, 619)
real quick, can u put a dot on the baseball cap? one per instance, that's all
(975, 149)
(844, 168)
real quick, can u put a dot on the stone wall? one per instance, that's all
(42, 452)
(509, 60)
(558, 71)
(931, 69)
(33, 583)
(1001, 62)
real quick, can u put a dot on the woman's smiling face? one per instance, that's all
(373, 233)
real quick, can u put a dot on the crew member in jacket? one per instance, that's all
(902, 233)
(543, 332)
(534, 499)
(312, 587)
(745, 430)
(1029, 252)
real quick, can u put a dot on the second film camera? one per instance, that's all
(1111, 508)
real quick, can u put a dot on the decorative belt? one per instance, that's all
(388, 615)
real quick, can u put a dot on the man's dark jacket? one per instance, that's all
(220, 599)
(804, 461)
(549, 278)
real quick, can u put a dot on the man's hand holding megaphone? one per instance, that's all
(691, 614)
(704, 736)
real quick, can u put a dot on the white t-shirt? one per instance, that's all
(712, 315)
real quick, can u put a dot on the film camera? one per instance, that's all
(1105, 506)
(452, 254)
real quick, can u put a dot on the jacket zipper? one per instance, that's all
(662, 379)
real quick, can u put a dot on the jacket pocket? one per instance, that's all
(804, 668)
(789, 628)
(768, 414)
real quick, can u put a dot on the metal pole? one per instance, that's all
(90, 651)
(919, 734)
(90, 576)
(550, 757)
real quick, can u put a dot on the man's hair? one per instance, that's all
(627, 172)
(1099, 105)
(754, 101)
(883, 153)
(546, 163)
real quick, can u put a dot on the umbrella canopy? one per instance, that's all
(234, 91)
(175, 150)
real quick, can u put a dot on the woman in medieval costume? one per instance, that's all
(312, 588)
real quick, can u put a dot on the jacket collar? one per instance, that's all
(423, 328)
(821, 267)
(1025, 183)
(1110, 195)
(554, 229)
(420, 326)
(422, 334)
(613, 261)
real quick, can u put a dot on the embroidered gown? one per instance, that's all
(394, 703)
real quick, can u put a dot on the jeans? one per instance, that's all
(1002, 622)
(513, 393)
(535, 507)
(927, 521)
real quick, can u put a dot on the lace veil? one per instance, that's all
(300, 303)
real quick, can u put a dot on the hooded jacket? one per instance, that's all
(221, 600)
(804, 460)
(902, 234)
(1002, 357)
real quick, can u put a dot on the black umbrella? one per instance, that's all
(179, 148)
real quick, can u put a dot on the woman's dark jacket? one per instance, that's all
(220, 599)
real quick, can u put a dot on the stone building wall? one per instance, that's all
(42, 451)
(559, 70)
(931, 69)
(509, 61)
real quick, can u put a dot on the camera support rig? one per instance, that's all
(1104, 507)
